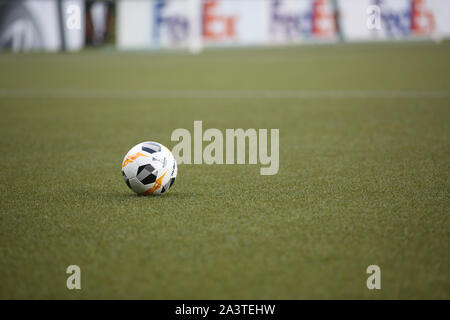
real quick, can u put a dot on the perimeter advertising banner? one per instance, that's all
(296, 21)
(394, 19)
(174, 23)
(195, 23)
(178, 23)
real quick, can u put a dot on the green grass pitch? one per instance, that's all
(364, 177)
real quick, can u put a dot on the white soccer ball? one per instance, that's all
(149, 168)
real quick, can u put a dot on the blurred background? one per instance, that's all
(52, 25)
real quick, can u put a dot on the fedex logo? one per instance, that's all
(289, 21)
(323, 19)
(217, 26)
(406, 17)
(311, 18)
(422, 19)
(168, 24)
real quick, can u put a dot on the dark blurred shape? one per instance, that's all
(19, 30)
(100, 22)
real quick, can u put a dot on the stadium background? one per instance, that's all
(362, 106)
(141, 24)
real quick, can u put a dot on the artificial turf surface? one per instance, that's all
(363, 179)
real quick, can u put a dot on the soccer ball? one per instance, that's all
(149, 168)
